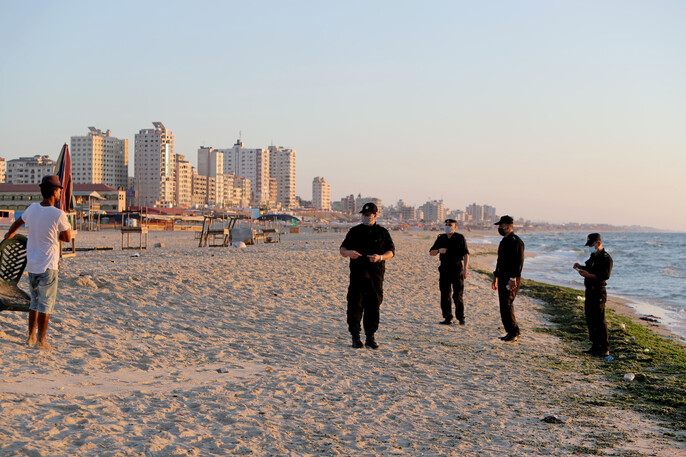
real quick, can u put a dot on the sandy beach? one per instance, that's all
(225, 351)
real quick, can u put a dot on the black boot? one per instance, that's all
(371, 342)
(357, 342)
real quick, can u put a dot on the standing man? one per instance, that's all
(596, 272)
(454, 257)
(368, 246)
(508, 275)
(47, 226)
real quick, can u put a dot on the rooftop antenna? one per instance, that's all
(240, 135)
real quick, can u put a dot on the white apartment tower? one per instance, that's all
(29, 170)
(252, 164)
(99, 158)
(321, 194)
(282, 168)
(155, 166)
(184, 182)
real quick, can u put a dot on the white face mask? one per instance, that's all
(366, 220)
(591, 249)
(449, 229)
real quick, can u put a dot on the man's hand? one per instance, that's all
(374, 258)
(354, 254)
(585, 273)
(494, 284)
(433, 252)
(511, 284)
(464, 273)
(442, 250)
(9, 235)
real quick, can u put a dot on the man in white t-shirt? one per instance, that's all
(47, 226)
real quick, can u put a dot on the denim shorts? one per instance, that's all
(43, 288)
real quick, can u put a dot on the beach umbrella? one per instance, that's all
(63, 171)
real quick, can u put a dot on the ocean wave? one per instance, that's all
(672, 271)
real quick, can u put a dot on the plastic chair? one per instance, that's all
(12, 265)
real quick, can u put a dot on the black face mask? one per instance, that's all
(502, 231)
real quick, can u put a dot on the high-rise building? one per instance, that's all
(100, 158)
(360, 201)
(282, 168)
(433, 211)
(321, 194)
(184, 182)
(476, 212)
(252, 164)
(29, 170)
(155, 166)
(489, 213)
(349, 204)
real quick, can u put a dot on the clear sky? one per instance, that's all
(550, 110)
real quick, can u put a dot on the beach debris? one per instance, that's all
(646, 350)
(136, 255)
(633, 338)
(553, 419)
(580, 298)
(269, 369)
(629, 377)
(223, 370)
(239, 245)
(622, 326)
(86, 281)
(650, 318)
(158, 245)
(609, 358)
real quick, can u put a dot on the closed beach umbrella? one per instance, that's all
(63, 171)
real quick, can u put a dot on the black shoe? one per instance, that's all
(446, 322)
(357, 343)
(590, 350)
(503, 337)
(600, 353)
(371, 343)
(511, 338)
(461, 321)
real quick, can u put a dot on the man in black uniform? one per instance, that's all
(367, 245)
(454, 256)
(595, 273)
(508, 275)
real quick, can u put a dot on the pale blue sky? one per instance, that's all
(549, 110)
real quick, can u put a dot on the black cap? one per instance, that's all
(52, 181)
(505, 220)
(592, 238)
(369, 208)
(450, 221)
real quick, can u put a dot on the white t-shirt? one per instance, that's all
(45, 224)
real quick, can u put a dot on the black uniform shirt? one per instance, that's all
(368, 240)
(456, 249)
(510, 257)
(599, 264)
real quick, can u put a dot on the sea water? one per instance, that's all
(649, 269)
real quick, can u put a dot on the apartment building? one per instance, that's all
(282, 168)
(29, 170)
(100, 158)
(321, 194)
(155, 166)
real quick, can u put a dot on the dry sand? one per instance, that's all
(223, 351)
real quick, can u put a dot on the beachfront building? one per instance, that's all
(282, 168)
(406, 212)
(155, 166)
(184, 182)
(253, 164)
(475, 212)
(321, 194)
(360, 201)
(349, 204)
(2, 170)
(100, 158)
(433, 211)
(18, 197)
(29, 170)
(489, 213)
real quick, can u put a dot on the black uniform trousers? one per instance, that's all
(594, 308)
(506, 298)
(365, 295)
(450, 280)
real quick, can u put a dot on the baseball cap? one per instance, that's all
(369, 208)
(592, 238)
(505, 220)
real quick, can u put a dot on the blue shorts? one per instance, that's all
(43, 288)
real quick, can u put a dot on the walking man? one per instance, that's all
(596, 272)
(47, 226)
(454, 255)
(508, 275)
(368, 245)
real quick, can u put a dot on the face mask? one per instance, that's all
(449, 229)
(591, 249)
(366, 220)
(502, 231)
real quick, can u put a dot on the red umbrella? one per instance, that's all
(63, 171)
